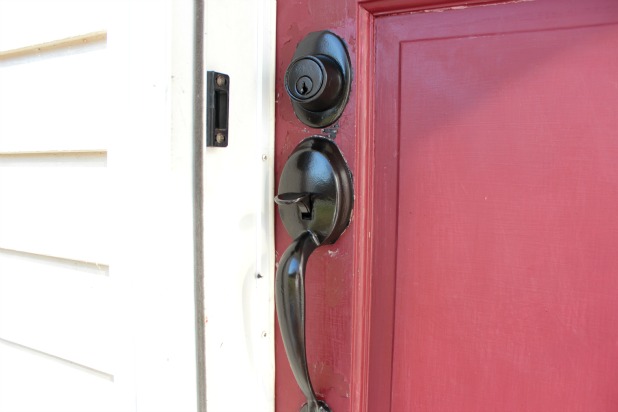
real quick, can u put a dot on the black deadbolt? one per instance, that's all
(318, 79)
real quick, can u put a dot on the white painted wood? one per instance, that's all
(57, 313)
(54, 326)
(97, 169)
(57, 306)
(27, 22)
(42, 104)
(56, 205)
(39, 382)
(150, 161)
(239, 211)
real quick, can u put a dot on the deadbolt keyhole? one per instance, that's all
(304, 80)
(304, 85)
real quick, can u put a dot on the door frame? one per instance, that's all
(236, 186)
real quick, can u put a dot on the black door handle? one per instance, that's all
(315, 204)
(290, 303)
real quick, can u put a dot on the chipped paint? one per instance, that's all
(327, 379)
(467, 6)
(333, 253)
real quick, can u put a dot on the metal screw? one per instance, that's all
(220, 80)
(220, 138)
(264, 157)
(263, 334)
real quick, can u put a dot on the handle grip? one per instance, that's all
(290, 304)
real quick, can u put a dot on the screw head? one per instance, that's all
(220, 80)
(220, 138)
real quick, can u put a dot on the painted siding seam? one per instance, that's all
(55, 45)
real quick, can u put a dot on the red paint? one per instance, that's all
(363, 223)
(329, 275)
(490, 280)
(504, 180)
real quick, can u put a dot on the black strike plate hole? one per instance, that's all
(217, 109)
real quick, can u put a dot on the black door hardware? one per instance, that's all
(217, 108)
(318, 79)
(315, 199)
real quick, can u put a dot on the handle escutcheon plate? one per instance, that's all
(315, 201)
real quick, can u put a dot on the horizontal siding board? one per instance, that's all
(29, 382)
(57, 340)
(57, 307)
(56, 101)
(66, 45)
(58, 209)
(27, 22)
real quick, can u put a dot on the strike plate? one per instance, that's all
(217, 109)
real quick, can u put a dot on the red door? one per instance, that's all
(480, 271)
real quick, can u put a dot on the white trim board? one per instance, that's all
(238, 211)
(151, 160)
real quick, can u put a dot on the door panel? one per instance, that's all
(506, 190)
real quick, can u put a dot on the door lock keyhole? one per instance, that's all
(304, 86)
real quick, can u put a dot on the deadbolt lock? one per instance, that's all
(318, 79)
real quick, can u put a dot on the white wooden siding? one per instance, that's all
(55, 204)
(96, 221)
(97, 299)
(71, 322)
(56, 348)
(40, 382)
(24, 23)
(55, 96)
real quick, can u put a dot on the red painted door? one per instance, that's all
(480, 272)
